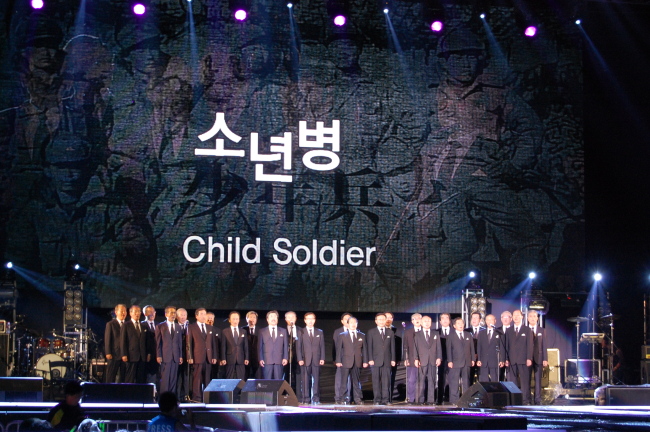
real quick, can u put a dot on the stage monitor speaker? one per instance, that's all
(627, 395)
(223, 391)
(582, 371)
(98, 369)
(485, 395)
(14, 389)
(118, 393)
(268, 392)
(516, 397)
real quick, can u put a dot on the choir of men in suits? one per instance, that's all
(253, 371)
(381, 357)
(152, 368)
(351, 355)
(427, 358)
(460, 357)
(169, 350)
(183, 383)
(274, 348)
(112, 349)
(474, 329)
(490, 351)
(445, 330)
(540, 355)
(202, 352)
(310, 351)
(234, 348)
(519, 342)
(409, 357)
(292, 369)
(133, 343)
(341, 393)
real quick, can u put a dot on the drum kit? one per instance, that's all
(52, 355)
(596, 338)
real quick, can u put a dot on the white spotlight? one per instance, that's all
(472, 274)
(578, 21)
(289, 5)
(482, 16)
(532, 275)
(598, 277)
(386, 10)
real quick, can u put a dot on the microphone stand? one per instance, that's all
(290, 352)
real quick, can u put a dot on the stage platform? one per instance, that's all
(398, 417)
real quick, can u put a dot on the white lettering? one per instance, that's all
(186, 246)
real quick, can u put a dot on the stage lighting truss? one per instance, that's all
(474, 300)
(534, 300)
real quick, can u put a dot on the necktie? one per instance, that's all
(273, 333)
(490, 334)
(236, 334)
(203, 328)
(354, 337)
(445, 331)
(383, 336)
(120, 324)
(151, 326)
(172, 330)
(252, 331)
(426, 333)
(137, 326)
(516, 330)
(311, 333)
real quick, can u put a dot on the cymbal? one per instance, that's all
(611, 316)
(577, 319)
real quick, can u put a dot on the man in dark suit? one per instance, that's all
(292, 369)
(491, 353)
(310, 351)
(427, 356)
(460, 357)
(409, 358)
(444, 330)
(215, 374)
(506, 323)
(151, 368)
(341, 394)
(519, 341)
(398, 352)
(133, 343)
(112, 348)
(253, 369)
(474, 329)
(169, 351)
(201, 353)
(540, 355)
(351, 355)
(184, 379)
(234, 348)
(381, 357)
(274, 348)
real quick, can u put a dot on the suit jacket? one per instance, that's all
(273, 352)
(292, 343)
(539, 345)
(253, 344)
(311, 350)
(427, 352)
(151, 339)
(409, 344)
(234, 352)
(112, 339)
(382, 352)
(133, 343)
(201, 347)
(351, 355)
(460, 351)
(520, 347)
(335, 338)
(491, 351)
(169, 346)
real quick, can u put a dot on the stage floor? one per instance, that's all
(398, 417)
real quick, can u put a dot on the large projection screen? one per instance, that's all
(183, 157)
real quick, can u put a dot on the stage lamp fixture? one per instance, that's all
(241, 15)
(9, 265)
(482, 16)
(139, 9)
(472, 274)
(578, 21)
(386, 11)
(530, 31)
(339, 20)
(598, 277)
(532, 275)
(290, 5)
(535, 300)
(37, 4)
(436, 26)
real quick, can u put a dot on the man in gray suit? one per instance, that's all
(519, 340)
(351, 355)
(274, 348)
(169, 350)
(202, 352)
(341, 393)
(460, 357)
(427, 358)
(234, 348)
(310, 351)
(540, 355)
(381, 357)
